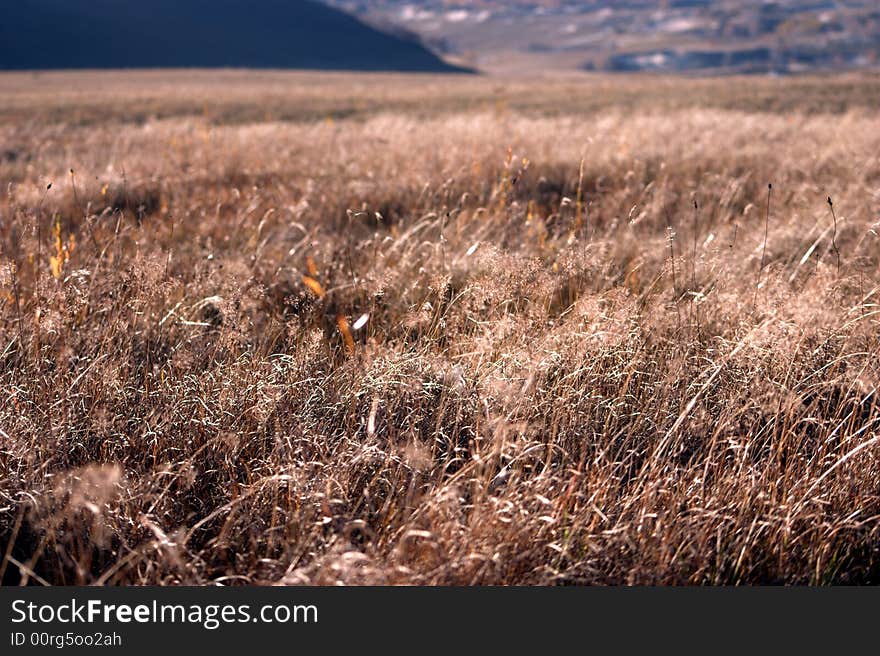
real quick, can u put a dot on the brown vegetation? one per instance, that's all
(449, 339)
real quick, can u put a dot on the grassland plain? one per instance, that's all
(296, 328)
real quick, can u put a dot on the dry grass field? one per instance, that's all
(309, 329)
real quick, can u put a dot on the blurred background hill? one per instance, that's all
(517, 36)
(696, 36)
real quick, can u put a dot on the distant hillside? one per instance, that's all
(712, 36)
(62, 34)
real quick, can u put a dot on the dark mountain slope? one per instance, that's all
(58, 34)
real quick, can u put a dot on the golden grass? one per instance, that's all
(366, 329)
